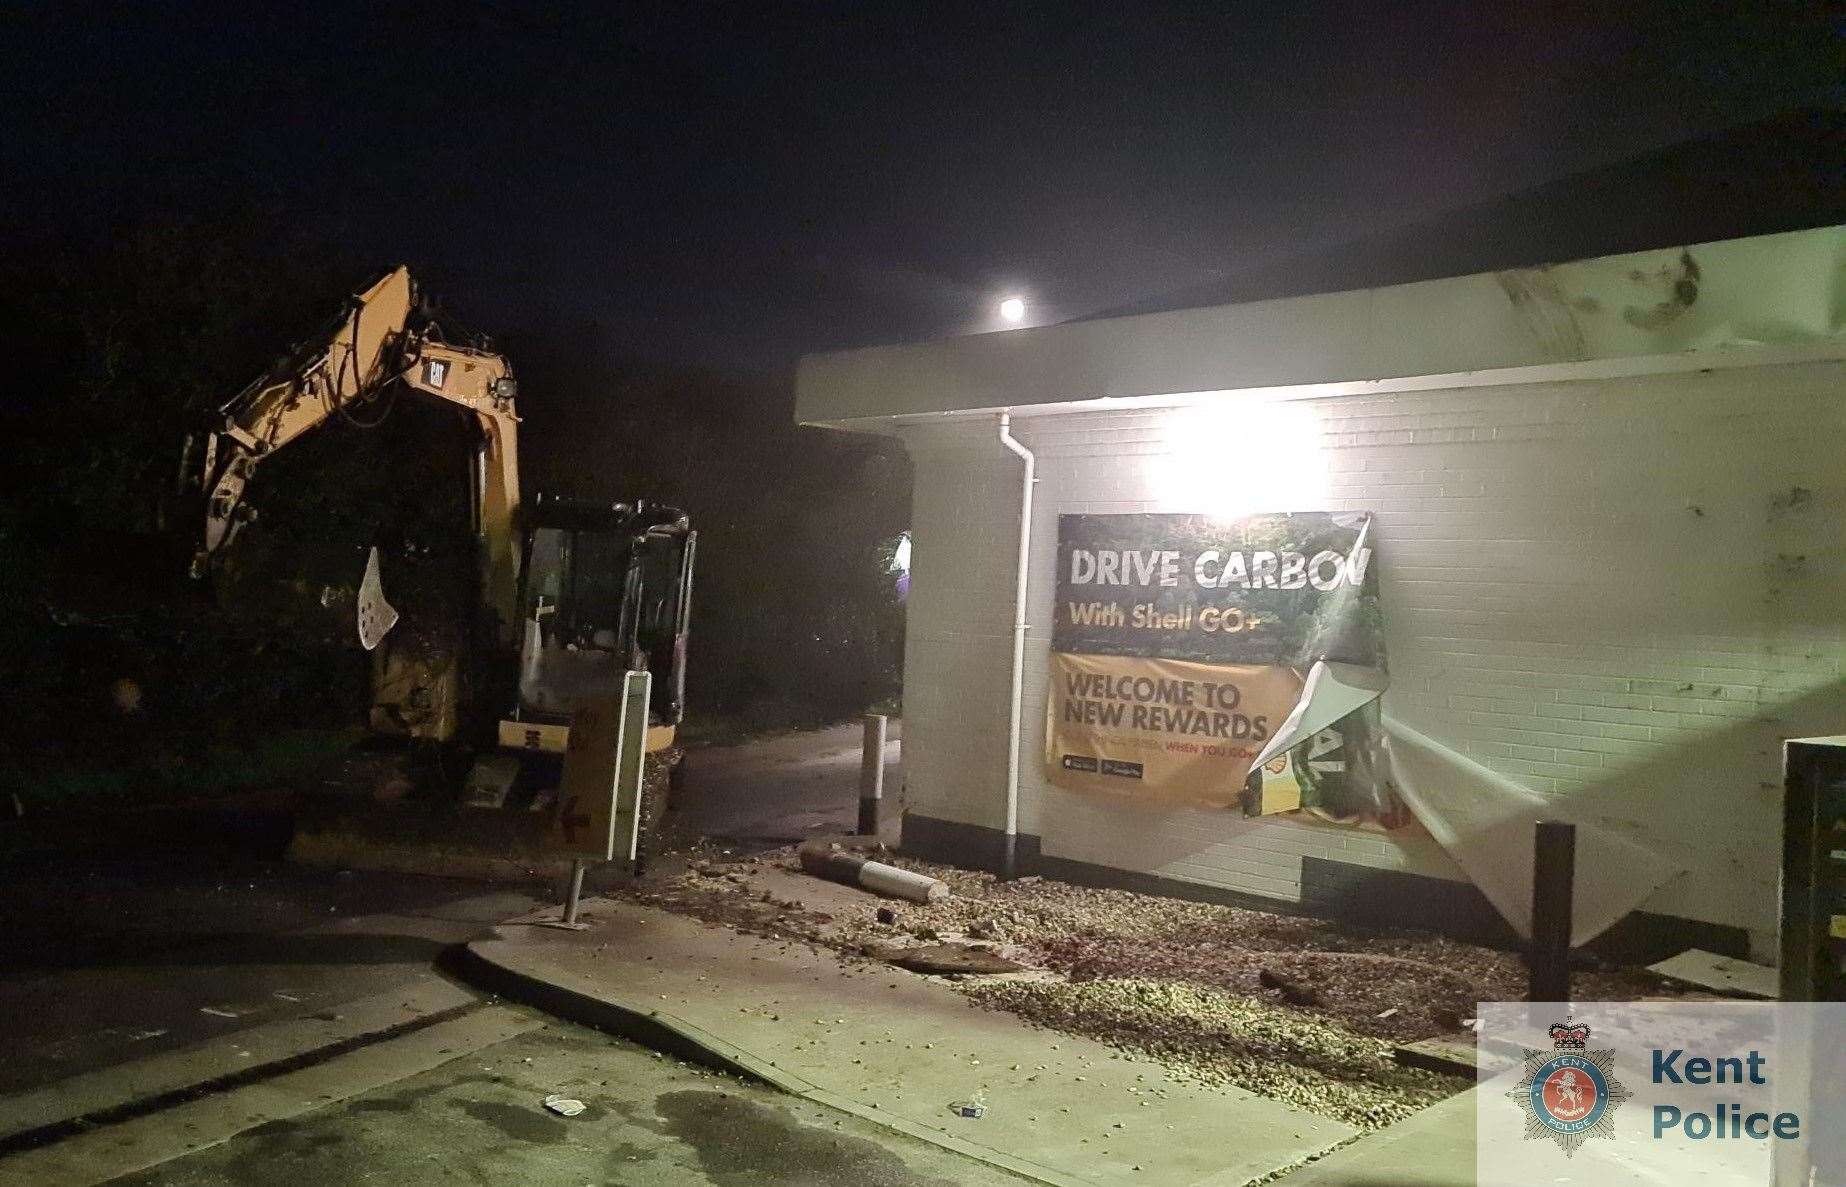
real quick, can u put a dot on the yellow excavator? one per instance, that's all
(577, 592)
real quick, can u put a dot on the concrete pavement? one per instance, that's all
(215, 962)
(103, 1153)
(79, 1102)
(898, 1050)
(1433, 1148)
(144, 931)
(647, 1122)
(783, 789)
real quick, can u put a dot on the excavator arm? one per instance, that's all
(373, 345)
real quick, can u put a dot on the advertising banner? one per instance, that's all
(1176, 731)
(1181, 644)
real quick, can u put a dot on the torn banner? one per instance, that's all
(1212, 662)
(1484, 821)
(1324, 758)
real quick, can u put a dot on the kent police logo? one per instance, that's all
(1570, 1094)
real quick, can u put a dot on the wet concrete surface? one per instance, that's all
(647, 1120)
(783, 789)
(135, 933)
(119, 952)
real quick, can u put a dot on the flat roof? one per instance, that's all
(1736, 302)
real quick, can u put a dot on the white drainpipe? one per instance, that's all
(1009, 860)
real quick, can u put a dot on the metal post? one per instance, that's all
(1554, 862)
(872, 776)
(576, 892)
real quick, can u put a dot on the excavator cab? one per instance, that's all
(605, 589)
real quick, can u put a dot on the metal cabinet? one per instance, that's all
(1814, 869)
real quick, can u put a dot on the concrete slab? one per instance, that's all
(237, 1054)
(111, 1151)
(900, 1049)
(647, 1122)
(1433, 1148)
(1708, 970)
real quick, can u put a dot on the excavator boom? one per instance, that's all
(609, 587)
(375, 343)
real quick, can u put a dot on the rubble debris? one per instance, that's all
(563, 1106)
(1722, 974)
(1219, 1038)
(1293, 992)
(1454, 1055)
(1376, 987)
(987, 929)
(886, 916)
(953, 958)
(1094, 933)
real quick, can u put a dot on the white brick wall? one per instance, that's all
(1612, 592)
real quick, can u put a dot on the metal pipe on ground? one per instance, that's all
(854, 869)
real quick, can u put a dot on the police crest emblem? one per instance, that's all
(1570, 1093)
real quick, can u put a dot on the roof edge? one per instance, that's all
(1732, 303)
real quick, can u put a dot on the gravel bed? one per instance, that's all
(1423, 984)
(1219, 1038)
(1299, 1009)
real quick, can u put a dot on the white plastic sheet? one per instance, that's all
(1485, 822)
(376, 616)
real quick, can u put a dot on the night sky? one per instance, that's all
(737, 185)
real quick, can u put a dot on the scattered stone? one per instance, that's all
(1084, 950)
(887, 916)
(987, 929)
(1215, 1037)
(563, 1106)
(954, 958)
(1293, 992)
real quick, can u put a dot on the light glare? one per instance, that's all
(1241, 457)
(1013, 309)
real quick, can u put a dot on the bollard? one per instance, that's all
(872, 776)
(1554, 867)
(576, 892)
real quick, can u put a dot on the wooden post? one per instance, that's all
(872, 776)
(1554, 867)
